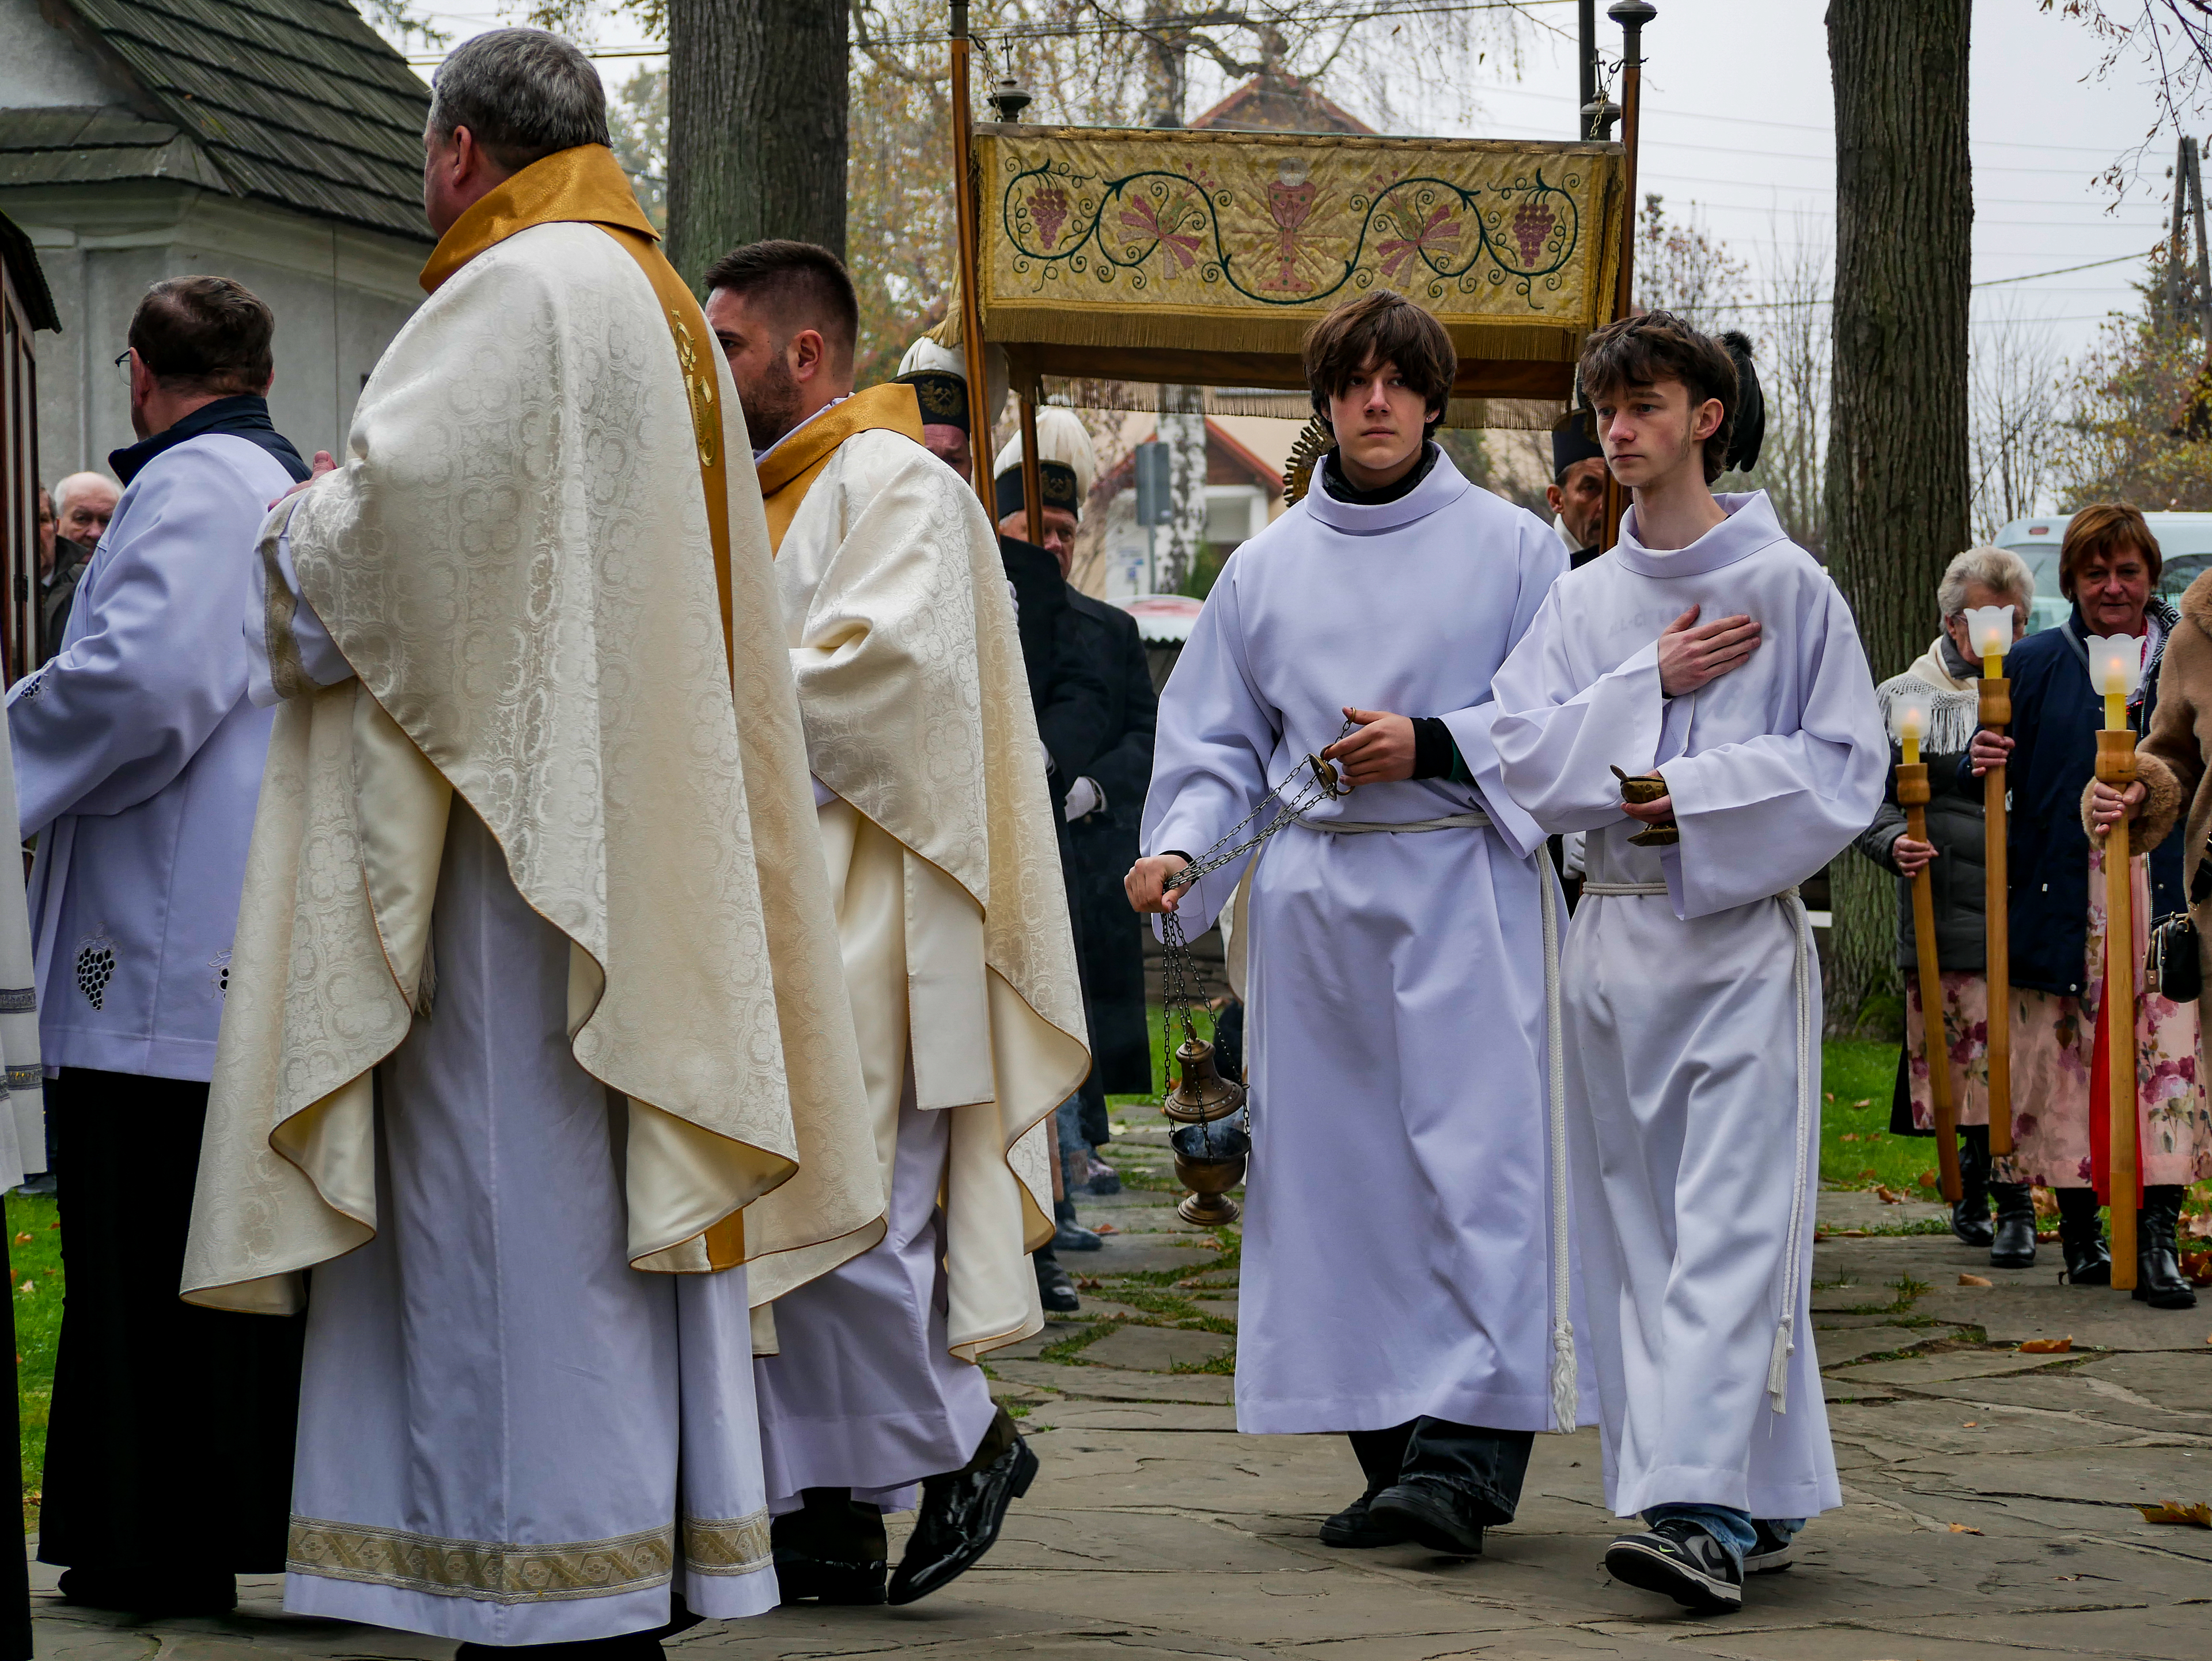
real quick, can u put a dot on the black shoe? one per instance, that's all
(628, 1647)
(2159, 1280)
(961, 1516)
(1680, 1561)
(1072, 1236)
(2081, 1238)
(1054, 1289)
(1429, 1513)
(1356, 1528)
(131, 1592)
(832, 1550)
(1104, 1179)
(1970, 1216)
(2014, 1246)
(1772, 1552)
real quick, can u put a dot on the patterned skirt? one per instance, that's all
(1965, 1043)
(2053, 1043)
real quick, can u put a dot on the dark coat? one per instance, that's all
(1956, 877)
(1120, 762)
(70, 559)
(2055, 714)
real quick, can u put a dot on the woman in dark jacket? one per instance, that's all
(1943, 685)
(2109, 568)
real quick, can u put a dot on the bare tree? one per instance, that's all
(2170, 42)
(1796, 341)
(1682, 268)
(2012, 444)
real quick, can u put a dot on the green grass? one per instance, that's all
(1857, 1078)
(35, 1262)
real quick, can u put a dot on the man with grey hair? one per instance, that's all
(83, 504)
(536, 966)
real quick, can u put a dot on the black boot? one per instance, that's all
(2014, 1242)
(1970, 1216)
(1055, 1291)
(832, 1550)
(963, 1510)
(2159, 1280)
(1382, 1456)
(1068, 1234)
(2082, 1236)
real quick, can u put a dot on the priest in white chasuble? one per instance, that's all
(1405, 1276)
(1707, 648)
(535, 987)
(951, 908)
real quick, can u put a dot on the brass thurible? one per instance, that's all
(1210, 1151)
(1644, 787)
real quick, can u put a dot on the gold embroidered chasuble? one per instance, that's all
(557, 601)
(917, 715)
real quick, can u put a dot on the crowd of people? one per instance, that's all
(578, 949)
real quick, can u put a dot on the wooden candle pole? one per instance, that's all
(1631, 15)
(972, 292)
(2115, 766)
(1996, 715)
(1912, 794)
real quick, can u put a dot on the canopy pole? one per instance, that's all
(1631, 15)
(1032, 476)
(971, 305)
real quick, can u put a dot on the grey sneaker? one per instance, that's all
(1773, 1552)
(1679, 1561)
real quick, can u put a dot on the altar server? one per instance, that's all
(139, 758)
(535, 950)
(1709, 649)
(1405, 1277)
(939, 840)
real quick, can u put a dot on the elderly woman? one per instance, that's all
(1943, 683)
(2108, 568)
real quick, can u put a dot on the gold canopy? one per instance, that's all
(1202, 258)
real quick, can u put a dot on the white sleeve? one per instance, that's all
(320, 660)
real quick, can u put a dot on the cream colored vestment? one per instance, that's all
(917, 715)
(493, 560)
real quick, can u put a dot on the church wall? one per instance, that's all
(339, 296)
(39, 67)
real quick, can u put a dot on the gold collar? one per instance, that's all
(585, 184)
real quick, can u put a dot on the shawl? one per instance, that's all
(1954, 706)
(554, 599)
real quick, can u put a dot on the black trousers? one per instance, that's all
(1484, 1467)
(169, 1446)
(15, 1573)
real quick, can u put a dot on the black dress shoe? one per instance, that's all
(2159, 1280)
(1055, 1291)
(129, 1591)
(1429, 1513)
(961, 1515)
(1970, 1216)
(1682, 1561)
(2014, 1246)
(627, 1647)
(1069, 1235)
(801, 1579)
(2081, 1238)
(1356, 1528)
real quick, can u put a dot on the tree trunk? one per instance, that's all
(1897, 485)
(756, 125)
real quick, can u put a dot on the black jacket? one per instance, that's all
(1112, 746)
(70, 559)
(1956, 876)
(2056, 715)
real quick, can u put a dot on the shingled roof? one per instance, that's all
(298, 102)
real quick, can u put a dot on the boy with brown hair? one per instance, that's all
(1692, 994)
(1405, 1273)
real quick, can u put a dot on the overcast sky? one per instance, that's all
(1739, 120)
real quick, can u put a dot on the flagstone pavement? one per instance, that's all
(1990, 1495)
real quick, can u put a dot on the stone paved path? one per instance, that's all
(1990, 1495)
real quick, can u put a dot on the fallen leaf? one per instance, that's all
(2053, 1346)
(1974, 1280)
(1863, 1101)
(1887, 1196)
(1961, 1528)
(1103, 1228)
(1828, 1096)
(28, 1285)
(1848, 1135)
(2175, 1511)
(2199, 1226)
(23, 1239)
(1929, 1179)
(1971, 1424)
(1869, 1171)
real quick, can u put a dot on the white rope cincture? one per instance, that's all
(1476, 820)
(1604, 889)
(1565, 1392)
(1785, 1331)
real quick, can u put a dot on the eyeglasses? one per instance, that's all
(123, 365)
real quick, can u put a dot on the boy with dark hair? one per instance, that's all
(1692, 996)
(1405, 1279)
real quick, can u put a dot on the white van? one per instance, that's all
(2185, 539)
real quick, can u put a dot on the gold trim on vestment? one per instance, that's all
(490, 1571)
(788, 471)
(728, 1545)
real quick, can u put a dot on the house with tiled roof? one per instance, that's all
(278, 142)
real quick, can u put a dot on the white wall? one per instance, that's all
(39, 67)
(339, 296)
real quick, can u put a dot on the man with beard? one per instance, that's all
(939, 833)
